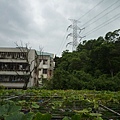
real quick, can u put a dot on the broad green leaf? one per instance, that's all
(82, 111)
(3, 110)
(14, 116)
(8, 109)
(14, 108)
(35, 105)
(95, 114)
(21, 101)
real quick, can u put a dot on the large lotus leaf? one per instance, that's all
(14, 108)
(8, 109)
(14, 116)
(3, 110)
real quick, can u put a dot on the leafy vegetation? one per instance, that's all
(46, 104)
(94, 66)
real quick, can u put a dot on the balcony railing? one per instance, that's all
(12, 79)
(14, 67)
(13, 55)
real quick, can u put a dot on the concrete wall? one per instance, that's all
(49, 65)
(31, 60)
(12, 85)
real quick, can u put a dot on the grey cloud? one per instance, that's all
(13, 20)
(44, 22)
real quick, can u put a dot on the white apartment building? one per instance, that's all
(46, 65)
(16, 64)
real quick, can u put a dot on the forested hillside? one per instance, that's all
(94, 65)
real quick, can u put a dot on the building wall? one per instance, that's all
(13, 85)
(14, 65)
(46, 66)
(31, 59)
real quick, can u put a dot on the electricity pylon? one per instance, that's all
(75, 34)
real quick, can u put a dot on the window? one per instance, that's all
(45, 61)
(40, 60)
(44, 71)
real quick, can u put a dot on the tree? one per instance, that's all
(31, 64)
(113, 36)
(93, 65)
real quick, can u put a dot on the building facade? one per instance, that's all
(17, 65)
(46, 66)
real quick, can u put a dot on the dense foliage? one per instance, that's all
(40, 104)
(94, 65)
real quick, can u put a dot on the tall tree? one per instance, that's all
(94, 62)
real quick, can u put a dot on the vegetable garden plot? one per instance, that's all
(61, 104)
(56, 106)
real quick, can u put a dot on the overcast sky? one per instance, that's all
(44, 22)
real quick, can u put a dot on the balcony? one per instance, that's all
(13, 55)
(14, 68)
(12, 78)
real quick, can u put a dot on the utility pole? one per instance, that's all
(75, 34)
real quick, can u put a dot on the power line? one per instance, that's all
(100, 13)
(91, 9)
(100, 26)
(62, 43)
(102, 16)
(103, 24)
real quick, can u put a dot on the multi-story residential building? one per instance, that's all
(17, 65)
(46, 66)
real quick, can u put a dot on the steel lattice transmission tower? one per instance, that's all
(75, 34)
